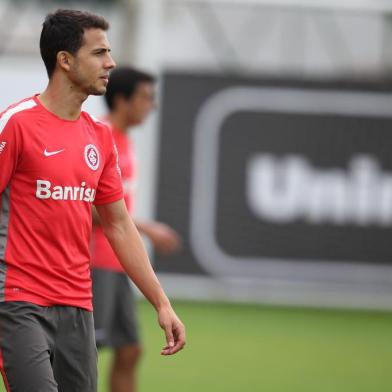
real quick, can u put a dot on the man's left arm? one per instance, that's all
(129, 248)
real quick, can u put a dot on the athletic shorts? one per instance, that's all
(47, 349)
(114, 309)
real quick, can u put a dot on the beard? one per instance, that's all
(95, 90)
(84, 82)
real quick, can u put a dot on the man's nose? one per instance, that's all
(110, 62)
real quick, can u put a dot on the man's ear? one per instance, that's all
(64, 60)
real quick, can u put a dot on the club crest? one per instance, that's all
(91, 156)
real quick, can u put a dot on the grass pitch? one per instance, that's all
(256, 348)
(246, 348)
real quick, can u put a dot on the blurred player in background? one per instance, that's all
(56, 161)
(130, 97)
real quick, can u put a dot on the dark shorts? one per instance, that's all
(114, 309)
(47, 349)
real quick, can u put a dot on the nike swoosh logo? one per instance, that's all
(50, 153)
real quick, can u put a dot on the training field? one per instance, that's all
(256, 348)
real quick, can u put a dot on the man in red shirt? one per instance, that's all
(55, 162)
(130, 98)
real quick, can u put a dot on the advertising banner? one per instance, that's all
(282, 190)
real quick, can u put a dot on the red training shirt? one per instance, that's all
(51, 170)
(102, 255)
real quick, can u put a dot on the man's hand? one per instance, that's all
(164, 239)
(174, 330)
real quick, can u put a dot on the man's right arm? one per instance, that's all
(9, 151)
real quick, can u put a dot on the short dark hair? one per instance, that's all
(63, 30)
(123, 82)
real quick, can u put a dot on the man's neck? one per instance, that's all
(119, 121)
(62, 100)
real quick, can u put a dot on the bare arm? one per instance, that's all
(128, 246)
(164, 239)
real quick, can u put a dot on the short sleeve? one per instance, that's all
(9, 150)
(110, 186)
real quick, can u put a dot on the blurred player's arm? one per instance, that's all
(164, 239)
(128, 246)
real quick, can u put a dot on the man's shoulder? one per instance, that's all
(100, 125)
(17, 110)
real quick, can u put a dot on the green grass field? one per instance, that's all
(256, 348)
